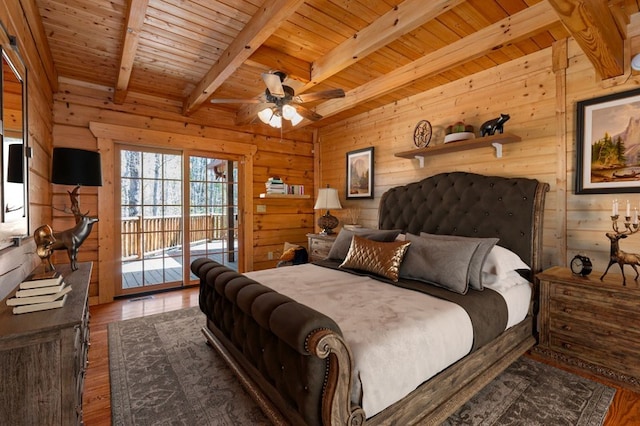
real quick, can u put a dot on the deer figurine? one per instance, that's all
(70, 239)
(618, 256)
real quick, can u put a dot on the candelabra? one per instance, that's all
(616, 255)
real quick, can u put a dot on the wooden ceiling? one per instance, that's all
(378, 51)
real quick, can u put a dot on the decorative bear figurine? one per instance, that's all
(490, 127)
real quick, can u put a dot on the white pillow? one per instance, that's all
(500, 261)
(509, 280)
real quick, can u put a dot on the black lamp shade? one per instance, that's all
(15, 164)
(72, 166)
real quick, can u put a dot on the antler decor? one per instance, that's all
(616, 255)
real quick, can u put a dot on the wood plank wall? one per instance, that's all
(17, 262)
(540, 94)
(538, 91)
(77, 104)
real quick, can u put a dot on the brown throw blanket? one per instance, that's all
(487, 309)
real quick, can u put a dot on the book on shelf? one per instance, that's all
(23, 309)
(296, 189)
(47, 280)
(40, 290)
(45, 298)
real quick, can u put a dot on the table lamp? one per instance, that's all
(327, 199)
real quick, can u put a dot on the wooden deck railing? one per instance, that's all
(140, 236)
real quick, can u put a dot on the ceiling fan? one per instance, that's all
(280, 101)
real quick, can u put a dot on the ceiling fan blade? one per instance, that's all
(307, 113)
(316, 96)
(274, 84)
(236, 101)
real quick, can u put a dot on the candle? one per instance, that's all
(613, 208)
(628, 209)
(635, 216)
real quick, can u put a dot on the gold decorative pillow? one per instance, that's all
(289, 254)
(380, 258)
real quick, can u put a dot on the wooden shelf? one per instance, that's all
(284, 196)
(495, 140)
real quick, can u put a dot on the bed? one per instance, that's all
(305, 362)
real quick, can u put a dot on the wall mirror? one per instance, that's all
(14, 217)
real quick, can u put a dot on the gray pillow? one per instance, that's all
(445, 263)
(475, 269)
(340, 247)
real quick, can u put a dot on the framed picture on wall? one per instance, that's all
(608, 144)
(360, 173)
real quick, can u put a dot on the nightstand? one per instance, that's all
(591, 324)
(319, 245)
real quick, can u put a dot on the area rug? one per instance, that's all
(162, 373)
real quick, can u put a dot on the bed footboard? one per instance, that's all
(279, 347)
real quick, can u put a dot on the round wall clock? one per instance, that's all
(581, 265)
(422, 134)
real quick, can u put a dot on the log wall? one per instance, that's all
(18, 19)
(540, 93)
(77, 104)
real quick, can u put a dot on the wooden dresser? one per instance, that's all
(43, 357)
(319, 245)
(591, 324)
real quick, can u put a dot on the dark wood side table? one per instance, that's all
(591, 324)
(319, 245)
(43, 357)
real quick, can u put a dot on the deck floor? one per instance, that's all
(168, 269)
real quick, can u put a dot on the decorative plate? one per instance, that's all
(422, 134)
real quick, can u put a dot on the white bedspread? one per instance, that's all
(399, 338)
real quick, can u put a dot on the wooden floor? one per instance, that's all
(625, 409)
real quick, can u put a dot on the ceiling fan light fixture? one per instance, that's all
(288, 112)
(296, 119)
(276, 121)
(265, 115)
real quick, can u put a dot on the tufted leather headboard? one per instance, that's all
(472, 205)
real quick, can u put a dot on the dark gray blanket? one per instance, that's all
(487, 309)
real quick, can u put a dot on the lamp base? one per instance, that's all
(327, 223)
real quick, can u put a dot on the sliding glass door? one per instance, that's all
(169, 201)
(213, 193)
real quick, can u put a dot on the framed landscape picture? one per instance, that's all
(360, 173)
(608, 144)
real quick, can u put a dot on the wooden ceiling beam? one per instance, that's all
(272, 59)
(264, 23)
(507, 31)
(136, 12)
(400, 20)
(620, 15)
(592, 25)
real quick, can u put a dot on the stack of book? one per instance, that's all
(40, 292)
(275, 185)
(296, 189)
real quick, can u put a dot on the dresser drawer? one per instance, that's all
(617, 299)
(593, 348)
(320, 245)
(602, 312)
(320, 248)
(596, 335)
